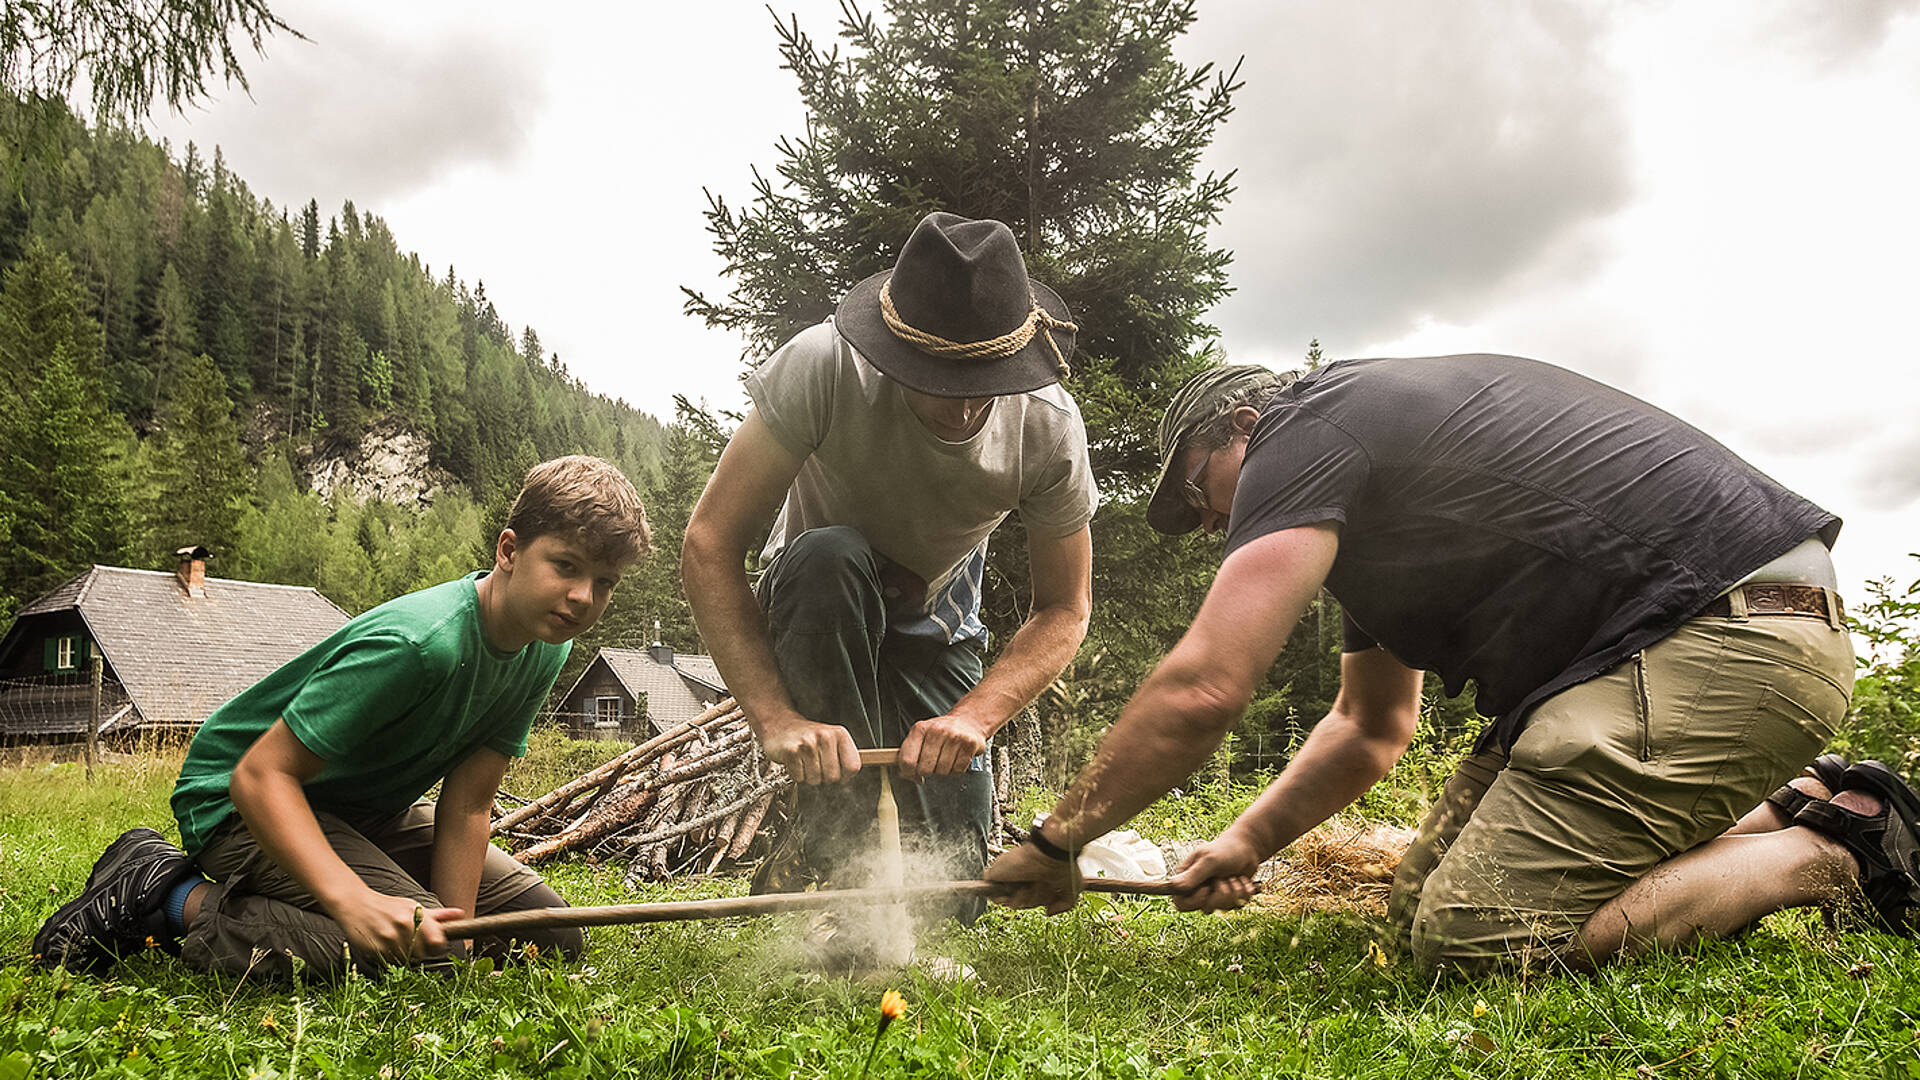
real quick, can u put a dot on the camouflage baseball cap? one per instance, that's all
(1196, 403)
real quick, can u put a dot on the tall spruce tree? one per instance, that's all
(684, 468)
(111, 234)
(310, 230)
(228, 336)
(1070, 120)
(64, 500)
(200, 474)
(175, 336)
(62, 505)
(42, 307)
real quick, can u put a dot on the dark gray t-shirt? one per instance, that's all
(1507, 521)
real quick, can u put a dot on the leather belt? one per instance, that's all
(1766, 598)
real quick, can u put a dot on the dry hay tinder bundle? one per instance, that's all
(1341, 866)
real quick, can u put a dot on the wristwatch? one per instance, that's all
(1038, 838)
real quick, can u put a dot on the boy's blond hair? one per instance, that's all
(585, 500)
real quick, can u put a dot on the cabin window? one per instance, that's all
(606, 712)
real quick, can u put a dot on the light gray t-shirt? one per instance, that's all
(926, 504)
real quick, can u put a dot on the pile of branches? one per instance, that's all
(687, 800)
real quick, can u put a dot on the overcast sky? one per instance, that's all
(1710, 203)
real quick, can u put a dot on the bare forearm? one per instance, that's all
(1336, 765)
(459, 852)
(275, 809)
(1039, 652)
(1166, 732)
(730, 622)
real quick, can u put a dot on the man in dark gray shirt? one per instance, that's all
(1651, 623)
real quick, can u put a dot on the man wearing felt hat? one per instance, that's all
(1650, 622)
(891, 441)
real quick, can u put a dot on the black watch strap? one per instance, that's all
(1038, 838)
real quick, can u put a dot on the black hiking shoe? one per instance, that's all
(121, 911)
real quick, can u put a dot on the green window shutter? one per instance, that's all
(52, 652)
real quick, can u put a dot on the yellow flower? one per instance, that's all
(1479, 1009)
(892, 1005)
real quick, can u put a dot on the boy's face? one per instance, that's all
(554, 589)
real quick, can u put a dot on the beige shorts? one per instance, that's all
(1614, 776)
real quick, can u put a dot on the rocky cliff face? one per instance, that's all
(389, 463)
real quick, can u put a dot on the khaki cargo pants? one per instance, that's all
(257, 919)
(1611, 778)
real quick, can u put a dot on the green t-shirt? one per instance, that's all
(393, 701)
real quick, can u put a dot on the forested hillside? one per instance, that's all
(170, 344)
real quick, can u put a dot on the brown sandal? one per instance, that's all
(1886, 844)
(1829, 769)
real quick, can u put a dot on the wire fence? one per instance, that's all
(61, 706)
(1261, 752)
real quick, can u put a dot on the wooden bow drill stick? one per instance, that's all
(893, 866)
(892, 925)
(731, 906)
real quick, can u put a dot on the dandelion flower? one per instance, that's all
(892, 1006)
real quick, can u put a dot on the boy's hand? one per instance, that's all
(394, 927)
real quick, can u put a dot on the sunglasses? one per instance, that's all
(1195, 495)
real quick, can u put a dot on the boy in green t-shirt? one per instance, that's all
(301, 797)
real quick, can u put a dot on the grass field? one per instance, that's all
(1115, 989)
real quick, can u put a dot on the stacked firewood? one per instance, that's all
(687, 800)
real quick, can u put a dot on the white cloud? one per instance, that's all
(1407, 162)
(1708, 203)
(373, 112)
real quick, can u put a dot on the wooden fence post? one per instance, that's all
(93, 714)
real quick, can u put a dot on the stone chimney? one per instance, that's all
(191, 569)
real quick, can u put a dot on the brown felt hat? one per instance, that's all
(957, 315)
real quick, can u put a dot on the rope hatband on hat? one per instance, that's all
(994, 348)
